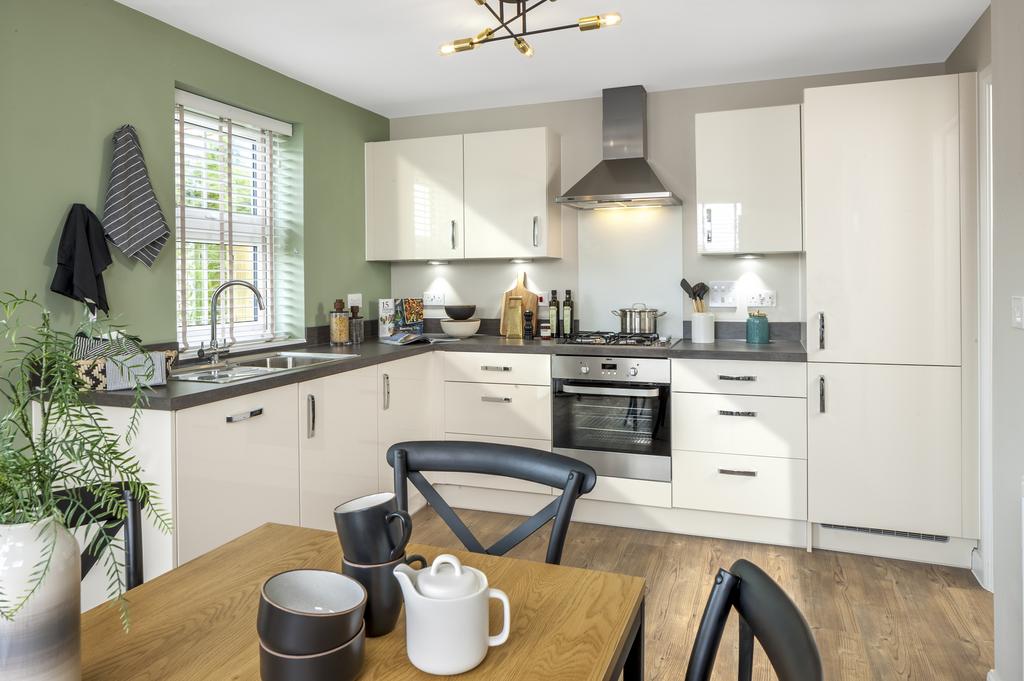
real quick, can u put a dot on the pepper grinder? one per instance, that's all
(528, 325)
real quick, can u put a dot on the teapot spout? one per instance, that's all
(403, 573)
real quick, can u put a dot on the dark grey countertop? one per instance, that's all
(182, 395)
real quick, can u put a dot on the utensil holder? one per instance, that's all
(702, 327)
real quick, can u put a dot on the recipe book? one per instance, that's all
(410, 338)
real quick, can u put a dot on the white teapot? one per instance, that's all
(446, 615)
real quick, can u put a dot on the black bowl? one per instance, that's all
(459, 312)
(307, 612)
(343, 663)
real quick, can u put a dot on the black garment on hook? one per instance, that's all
(81, 258)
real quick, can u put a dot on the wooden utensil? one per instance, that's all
(529, 303)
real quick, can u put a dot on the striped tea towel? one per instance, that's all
(132, 218)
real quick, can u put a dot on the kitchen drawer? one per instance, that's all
(497, 367)
(497, 410)
(739, 377)
(493, 481)
(626, 491)
(740, 424)
(747, 485)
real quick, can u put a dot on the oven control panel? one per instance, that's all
(622, 369)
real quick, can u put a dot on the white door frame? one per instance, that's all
(984, 558)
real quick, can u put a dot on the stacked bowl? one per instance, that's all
(460, 322)
(311, 628)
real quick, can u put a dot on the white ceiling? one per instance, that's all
(382, 54)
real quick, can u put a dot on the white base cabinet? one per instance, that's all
(884, 447)
(236, 468)
(337, 451)
(409, 408)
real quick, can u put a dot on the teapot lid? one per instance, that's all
(449, 582)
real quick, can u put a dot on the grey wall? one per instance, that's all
(671, 152)
(975, 51)
(1008, 343)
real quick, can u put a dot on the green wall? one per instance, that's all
(73, 71)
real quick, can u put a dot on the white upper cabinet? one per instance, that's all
(414, 199)
(482, 195)
(748, 180)
(512, 178)
(882, 221)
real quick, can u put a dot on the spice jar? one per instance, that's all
(357, 330)
(339, 322)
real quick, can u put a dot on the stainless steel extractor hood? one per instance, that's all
(624, 178)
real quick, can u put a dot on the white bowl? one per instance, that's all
(460, 328)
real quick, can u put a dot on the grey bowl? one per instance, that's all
(340, 664)
(459, 312)
(307, 612)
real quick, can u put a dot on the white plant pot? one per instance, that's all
(43, 640)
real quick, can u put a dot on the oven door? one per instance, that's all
(621, 429)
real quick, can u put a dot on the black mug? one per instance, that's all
(383, 593)
(372, 530)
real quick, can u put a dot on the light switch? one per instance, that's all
(433, 299)
(1017, 303)
(722, 294)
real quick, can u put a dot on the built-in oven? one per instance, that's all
(614, 413)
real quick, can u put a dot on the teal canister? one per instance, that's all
(757, 328)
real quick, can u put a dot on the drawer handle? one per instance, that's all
(238, 418)
(500, 400)
(487, 367)
(727, 412)
(737, 473)
(724, 377)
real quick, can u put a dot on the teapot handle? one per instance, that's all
(450, 560)
(506, 618)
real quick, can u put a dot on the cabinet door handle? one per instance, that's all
(387, 392)
(737, 473)
(453, 235)
(821, 330)
(310, 416)
(501, 400)
(729, 412)
(724, 377)
(821, 394)
(536, 231)
(486, 367)
(238, 418)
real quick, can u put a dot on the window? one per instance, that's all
(231, 217)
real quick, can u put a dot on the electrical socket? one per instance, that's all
(1017, 303)
(433, 299)
(763, 298)
(722, 294)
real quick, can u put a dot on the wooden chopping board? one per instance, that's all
(529, 303)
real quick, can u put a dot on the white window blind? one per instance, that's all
(227, 171)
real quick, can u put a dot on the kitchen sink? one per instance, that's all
(261, 366)
(291, 360)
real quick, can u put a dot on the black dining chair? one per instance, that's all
(767, 614)
(575, 478)
(75, 503)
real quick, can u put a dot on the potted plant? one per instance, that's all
(54, 440)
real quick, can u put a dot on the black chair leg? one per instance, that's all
(712, 625)
(746, 662)
(401, 467)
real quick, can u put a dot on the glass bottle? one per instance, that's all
(567, 314)
(553, 314)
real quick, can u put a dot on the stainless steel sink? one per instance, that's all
(261, 366)
(292, 360)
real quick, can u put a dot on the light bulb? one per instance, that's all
(524, 47)
(599, 21)
(460, 45)
(611, 19)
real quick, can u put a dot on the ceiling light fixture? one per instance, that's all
(514, 27)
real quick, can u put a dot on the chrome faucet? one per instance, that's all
(215, 347)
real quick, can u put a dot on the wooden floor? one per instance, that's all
(874, 619)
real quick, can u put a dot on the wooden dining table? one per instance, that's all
(198, 621)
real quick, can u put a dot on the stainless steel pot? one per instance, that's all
(638, 319)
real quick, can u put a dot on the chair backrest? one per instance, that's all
(766, 614)
(75, 503)
(574, 478)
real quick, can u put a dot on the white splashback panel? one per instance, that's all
(627, 256)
